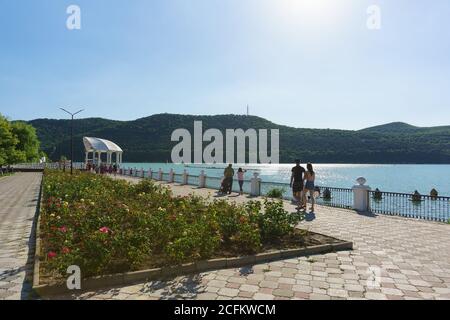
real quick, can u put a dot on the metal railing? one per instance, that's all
(48, 165)
(425, 207)
(434, 208)
(335, 197)
(325, 196)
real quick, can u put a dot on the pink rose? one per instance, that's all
(51, 255)
(104, 230)
(63, 229)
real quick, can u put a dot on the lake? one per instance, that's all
(394, 178)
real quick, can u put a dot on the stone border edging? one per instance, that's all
(37, 248)
(130, 278)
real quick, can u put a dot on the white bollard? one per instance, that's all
(361, 196)
(185, 177)
(255, 185)
(202, 179)
(171, 176)
(160, 174)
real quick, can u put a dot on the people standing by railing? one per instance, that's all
(240, 175)
(229, 174)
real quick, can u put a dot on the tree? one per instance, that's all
(18, 142)
(7, 141)
(28, 145)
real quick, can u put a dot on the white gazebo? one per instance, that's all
(100, 146)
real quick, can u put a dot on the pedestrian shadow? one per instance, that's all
(367, 214)
(220, 195)
(234, 195)
(310, 216)
(245, 271)
(188, 287)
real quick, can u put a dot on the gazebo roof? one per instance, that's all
(102, 145)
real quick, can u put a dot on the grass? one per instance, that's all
(6, 175)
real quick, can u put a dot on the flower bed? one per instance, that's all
(108, 226)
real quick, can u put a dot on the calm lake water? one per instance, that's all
(394, 178)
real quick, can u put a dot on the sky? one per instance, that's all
(302, 63)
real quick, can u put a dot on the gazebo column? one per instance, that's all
(86, 157)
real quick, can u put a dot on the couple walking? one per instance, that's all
(302, 182)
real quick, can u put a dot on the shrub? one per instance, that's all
(105, 225)
(275, 221)
(276, 193)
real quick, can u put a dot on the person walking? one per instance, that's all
(240, 175)
(310, 177)
(297, 184)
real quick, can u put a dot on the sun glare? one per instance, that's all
(310, 13)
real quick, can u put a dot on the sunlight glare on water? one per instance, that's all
(395, 178)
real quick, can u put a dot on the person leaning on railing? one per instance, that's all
(240, 175)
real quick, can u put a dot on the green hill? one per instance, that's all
(394, 127)
(148, 139)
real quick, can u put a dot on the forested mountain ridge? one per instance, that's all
(148, 139)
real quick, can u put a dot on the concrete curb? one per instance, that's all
(130, 278)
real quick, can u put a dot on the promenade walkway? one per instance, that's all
(18, 199)
(393, 258)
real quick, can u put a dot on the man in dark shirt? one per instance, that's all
(297, 178)
(229, 173)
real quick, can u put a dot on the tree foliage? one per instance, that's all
(18, 142)
(148, 139)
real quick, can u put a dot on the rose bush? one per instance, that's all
(105, 225)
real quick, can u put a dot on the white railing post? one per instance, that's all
(185, 177)
(202, 179)
(171, 176)
(255, 185)
(142, 173)
(160, 174)
(150, 173)
(361, 196)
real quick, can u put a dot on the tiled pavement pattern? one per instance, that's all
(18, 199)
(393, 258)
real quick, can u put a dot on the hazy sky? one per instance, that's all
(303, 63)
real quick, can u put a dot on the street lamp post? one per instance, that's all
(71, 136)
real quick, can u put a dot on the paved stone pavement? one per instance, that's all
(393, 258)
(18, 199)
